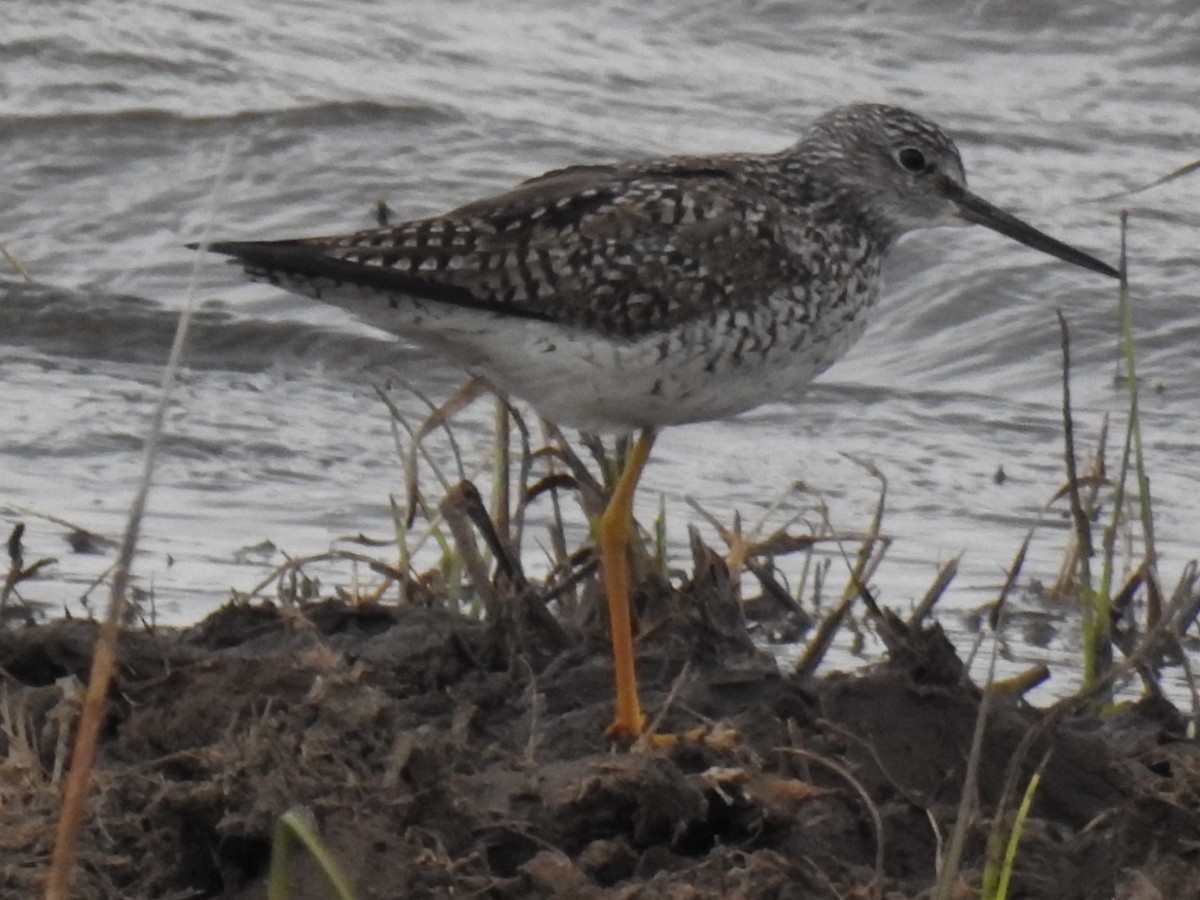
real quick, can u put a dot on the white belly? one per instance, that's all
(703, 370)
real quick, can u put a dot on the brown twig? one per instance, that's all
(860, 574)
(944, 576)
(1083, 530)
(857, 786)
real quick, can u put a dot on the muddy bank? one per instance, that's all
(442, 757)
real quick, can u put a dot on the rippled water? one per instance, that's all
(113, 121)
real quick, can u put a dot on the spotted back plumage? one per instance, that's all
(618, 250)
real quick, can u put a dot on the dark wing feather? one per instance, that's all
(621, 250)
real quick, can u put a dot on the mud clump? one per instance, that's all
(441, 757)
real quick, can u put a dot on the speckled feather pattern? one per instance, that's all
(643, 294)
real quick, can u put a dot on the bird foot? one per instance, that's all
(626, 729)
(717, 736)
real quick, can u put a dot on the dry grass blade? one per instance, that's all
(502, 470)
(295, 564)
(15, 263)
(17, 570)
(438, 417)
(104, 661)
(968, 802)
(508, 561)
(462, 508)
(1023, 682)
(456, 509)
(855, 785)
(1010, 580)
(779, 542)
(772, 589)
(1108, 540)
(1097, 631)
(1070, 582)
(1145, 504)
(942, 581)
(1083, 530)
(1091, 482)
(593, 496)
(860, 573)
(1186, 599)
(556, 527)
(996, 613)
(516, 526)
(1186, 169)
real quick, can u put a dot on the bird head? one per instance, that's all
(908, 174)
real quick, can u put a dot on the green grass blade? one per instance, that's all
(1143, 480)
(292, 828)
(996, 881)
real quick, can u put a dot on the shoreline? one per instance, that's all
(440, 756)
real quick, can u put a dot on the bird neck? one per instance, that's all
(814, 184)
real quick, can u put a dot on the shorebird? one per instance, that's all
(633, 296)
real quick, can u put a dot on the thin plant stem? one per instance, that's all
(104, 660)
(1143, 480)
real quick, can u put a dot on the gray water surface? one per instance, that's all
(114, 118)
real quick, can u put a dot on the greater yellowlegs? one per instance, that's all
(653, 293)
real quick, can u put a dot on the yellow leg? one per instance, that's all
(616, 530)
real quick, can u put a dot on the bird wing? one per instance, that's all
(620, 250)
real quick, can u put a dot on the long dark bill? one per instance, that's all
(976, 209)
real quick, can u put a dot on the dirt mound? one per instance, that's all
(441, 757)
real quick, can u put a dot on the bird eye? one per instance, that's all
(911, 159)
